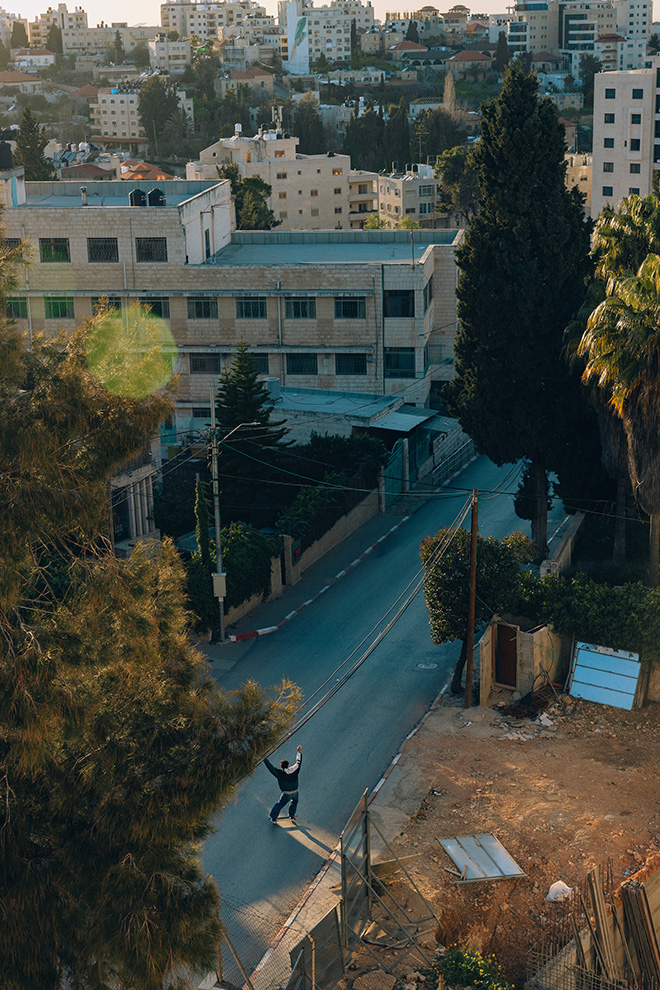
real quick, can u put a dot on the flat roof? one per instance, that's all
(109, 194)
(361, 405)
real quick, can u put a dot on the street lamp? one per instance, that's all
(220, 577)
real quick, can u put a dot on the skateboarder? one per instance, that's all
(287, 778)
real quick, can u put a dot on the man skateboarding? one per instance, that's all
(287, 778)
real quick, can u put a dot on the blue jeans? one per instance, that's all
(285, 797)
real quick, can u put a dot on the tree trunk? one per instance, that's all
(654, 547)
(458, 671)
(621, 512)
(539, 488)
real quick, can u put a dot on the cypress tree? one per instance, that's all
(522, 271)
(30, 145)
(19, 38)
(397, 134)
(502, 52)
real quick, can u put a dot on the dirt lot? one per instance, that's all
(561, 798)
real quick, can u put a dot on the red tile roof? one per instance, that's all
(471, 57)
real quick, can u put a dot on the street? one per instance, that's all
(263, 869)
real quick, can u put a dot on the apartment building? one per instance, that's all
(411, 194)
(7, 22)
(362, 196)
(65, 19)
(205, 19)
(329, 26)
(309, 192)
(626, 137)
(88, 40)
(169, 56)
(115, 117)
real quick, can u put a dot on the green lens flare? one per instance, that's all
(130, 352)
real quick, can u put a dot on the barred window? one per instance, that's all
(251, 308)
(59, 307)
(17, 308)
(204, 364)
(54, 249)
(201, 412)
(300, 308)
(350, 364)
(100, 303)
(350, 308)
(102, 249)
(10, 243)
(150, 249)
(202, 308)
(301, 364)
(399, 362)
(158, 306)
(260, 362)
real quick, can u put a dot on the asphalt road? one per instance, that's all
(263, 869)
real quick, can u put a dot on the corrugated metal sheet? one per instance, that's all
(480, 857)
(607, 676)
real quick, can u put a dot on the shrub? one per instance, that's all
(246, 557)
(465, 968)
(309, 514)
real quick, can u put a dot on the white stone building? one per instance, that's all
(330, 25)
(169, 56)
(65, 19)
(411, 194)
(95, 40)
(116, 121)
(205, 19)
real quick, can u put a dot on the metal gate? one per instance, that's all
(317, 962)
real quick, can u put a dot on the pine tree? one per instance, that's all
(412, 34)
(308, 126)
(4, 56)
(522, 270)
(19, 38)
(397, 134)
(364, 141)
(54, 40)
(119, 52)
(502, 53)
(30, 145)
(158, 101)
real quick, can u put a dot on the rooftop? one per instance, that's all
(108, 194)
(330, 247)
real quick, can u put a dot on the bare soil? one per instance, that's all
(561, 799)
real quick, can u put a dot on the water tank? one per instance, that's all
(273, 386)
(415, 168)
(137, 197)
(156, 197)
(6, 157)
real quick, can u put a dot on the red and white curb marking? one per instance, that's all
(253, 634)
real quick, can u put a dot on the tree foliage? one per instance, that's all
(54, 39)
(502, 55)
(396, 137)
(118, 50)
(522, 272)
(364, 141)
(30, 145)
(250, 199)
(158, 102)
(459, 184)
(4, 56)
(589, 66)
(308, 126)
(19, 38)
(437, 131)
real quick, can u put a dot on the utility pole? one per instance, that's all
(471, 599)
(219, 578)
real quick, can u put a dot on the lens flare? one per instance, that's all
(130, 352)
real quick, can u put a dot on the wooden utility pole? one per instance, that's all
(471, 599)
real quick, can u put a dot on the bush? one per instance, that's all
(309, 514)
(464, 968)
(246, 557)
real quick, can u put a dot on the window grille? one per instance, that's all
(149, 249)
(102, 249)
(54, 249)
(251, 308)
(350, 364)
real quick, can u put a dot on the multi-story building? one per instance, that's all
(170, 56)
(84, 40)
(362, 196)
(362, 311)
(205, 19)
(409, 193)
(309, 192)
(116, 121)
(429, 22)
(330, 26)
(65, 19)
(626, 146)
(7, 22)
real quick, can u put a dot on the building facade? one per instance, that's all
(205, 19)
(410, 194)
(330, 26)
(115, 117)
(65, 19)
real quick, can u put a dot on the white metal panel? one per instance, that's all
(480, 857)
(606, 676)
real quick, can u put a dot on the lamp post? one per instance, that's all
(220, 577)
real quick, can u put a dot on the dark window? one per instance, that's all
(657, 129)
(102, 249)
(633, 191)
(427, 356)
(349, 308)
(201, 412)
(59, 307)
(609, 118)
(608, 142)
(204, 364)
(399, 302)
(300, 308)
(610, 94)
(608, 166)
(54, 249)
(634, 144)
(635, 168)
(638, 94)
(17, 308)
(350, 364)
(10, 243)
(105, 302)
(301, 364)
(657, 78)
(251, 309)
(608, 190)
(150, 249)
(207, 243)
(428, 294)
(399, 362)
(158, 306)
(635, 118)
(260, 362)
(657, 104)
(202, 308)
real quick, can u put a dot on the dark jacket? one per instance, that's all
(287, 779)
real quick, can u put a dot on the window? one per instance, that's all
(251, 309)
(283, 214)
(634, 144)
(350, 364)
(428, 294)
(59, 307)
(608, 142)
(609, 118)
(281, 195)
(159, 306)
(399, 362)
(315, 213)
(399, 302)
(608, 190)
(337, 190)
(633, 191)
(279, 154)
(260, 362)
(17, 308)
(204, 364)
(314, 192)
(301, 364)
(635, 118)
(337, 171)
(638, 94)
(300, 308)
(102, 249)
(426, 190)
(608, 166)
(281, 175)
(201, 412)
(100, 303)
(10, 243)
(347, 308)
(54, 249)
(338, 209)
(150, 249)
(635, 168)
(202, 308)
(610, 94)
